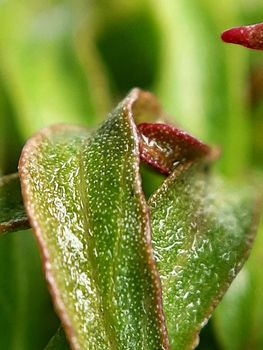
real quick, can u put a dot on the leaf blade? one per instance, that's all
(121, 308)
(197, 249)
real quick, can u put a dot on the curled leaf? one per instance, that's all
(164, 147)
(248, 36)
(84, 199)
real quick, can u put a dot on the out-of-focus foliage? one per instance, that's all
(67, 61)
(27, 320)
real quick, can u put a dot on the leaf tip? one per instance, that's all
(248, 36)
(164, 147)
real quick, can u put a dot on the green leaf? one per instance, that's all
(203, 266)
(12, 212)
(84, 200)
(202, 232)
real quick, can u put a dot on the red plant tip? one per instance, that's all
(248, 36)
(164, 147)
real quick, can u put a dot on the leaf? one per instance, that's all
(202, 233)
(248, 36)
(84, 200)
(164, 147)
(12, 212)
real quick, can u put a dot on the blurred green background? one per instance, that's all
(71, 62)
